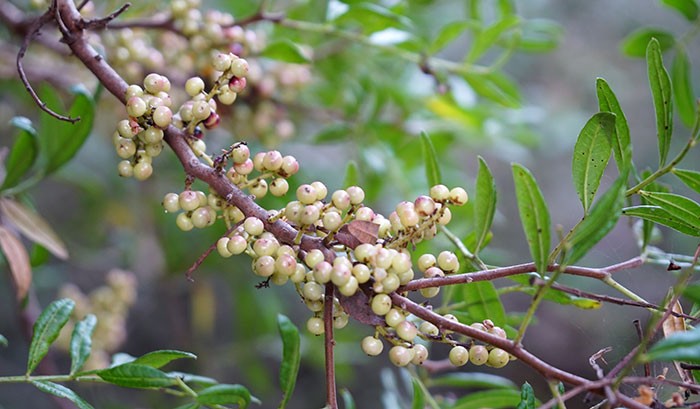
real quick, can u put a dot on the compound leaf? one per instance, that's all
(681, 346)
(33, 226)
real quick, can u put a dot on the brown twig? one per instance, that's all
(99, 23)
(329, 345)
(203, 256)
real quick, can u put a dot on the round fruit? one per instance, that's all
(400, 356)
(498, 358)
(381, 304)
(315, 325)
(372, 346)
(459, 355)
(478, 354)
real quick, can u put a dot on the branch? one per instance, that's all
(329, 344)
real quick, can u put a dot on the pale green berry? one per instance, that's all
(240, 153)
(458, 196)
(285, 265)
(448, 261)
(143, 170)
(171, 202)
(425, 261)
(350, 287)
(478, 355)
(498, 358)
(314, 306)
(440, 193)
(133, 91)
(272, 161)
(299, 274)
(424, 205)
(394, 317)
(215, 201)
(154, 149)
(405, 277)
(264, 266)
(445, 217)
(498, 331)
(420, 354)
(279, 187)
(313, 257)
(265, 246)
(406, 331)
(357, 195)
(479, 326)
(237, 244)
(279, 279)
(312, 291)
(381, 304)
(234, 214)
(184, 222)
(433, 272)
(364, 213)
(244, 168)
(428, 328)
(341, 321)
(188, 200)
(221, 61)
(126, 169)
(135, 107)
(361, 273)
(306, 194)
(384, 257)
(322, 272)
(321, 190)
(222, 247)
(201, 217)
(126, 148)
(155, 83)
(372, 346)
(125, 130)
(459, 355)
(309, 215)
(194, 86)
(239, 67)
(395, 221)
(162, 117)
(227, 97)
(200, 110)
(253, 226)
(259, 189)
(341, 199)
(365, 252)
(258, 161)
(401, 262)
(391, 283)
(199, 147)
(340, 275)
(332, 221)
(451, 317)
(290, 166)
(400, 355)
(152, 135)
(315, 325)
(293, 211)
(430, 292)
(409, 218)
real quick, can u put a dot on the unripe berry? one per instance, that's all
(479, 326)
(143, 170)
(428, 328)
(350, 287)
(365, 252)
(425, 206)
(448, 261)
(200, 110)
(384, 258)
(400, 356)
(285, 265)
(478, 354)
(272, 161)
(264, 266)
(221, 247)
(420, 354)
(365, 213)
(458, 196)
(430, 292)
(152, 135)
(155, 83)
(341, 199)
(459, 355)
(390, 283)
(227, 97)
(498, 331)
(361, 273)
(221, 62)
(258, 161)
(498, 358)
(126, 169)
(306, 194)
(133, 91)
(309, 215)
(357, 195)
(162, 117)
(125, 130)
(253, 226)
(313, 257)
(446, 217)
(433, 272)
(322, 272)
(321, 190)
(299, 274)
(289, 167)
(372, 346)
(312, 291)
(237, 244)
(394, 317)
(237, 84)
(234, 214)
(212, 121)
(315, 326)
(201, 217)
(340, 275)
(188, 200)
(406, 331)
(183, 222)
(240, 153)
(440, 193)
(135, 107)
(279, 187)
(405, 277)
(198, 147)
(265, 247)
(425, 261)
(239, 67)
(381, 304)
(341, 321)
(332, 221)
(126, 148)
(401, 262)
(244, 168)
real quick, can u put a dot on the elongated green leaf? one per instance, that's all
(485, 204)
(189, 406)
(681, 346)
(482, 302)
(132, 375)
(487, 37)
(287, 51)
(527, 397)
(635, 44)
(225, 394)
(534, 215)
(81, 343)
(189, 378)
(591, 155)
(3, 341)
(660, 85)
(470, 380)
(61, 140)
(688, 8)
(352, 177)
(62, 392)
(18, 261)
(495, 86)
(448, 33)
(493, 399)
(691, 178)
(158, 359)
(348, 401)
(291, 357)
(540, 35)
(658, 215)
(46, 330)
(23, 154)
(418, 396)
(432, 167)
(683, 208)
(373, 17)
(683, 94)
(598, 223)
(621, 144)
(33, 226)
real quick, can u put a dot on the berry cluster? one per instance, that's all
(198, 209)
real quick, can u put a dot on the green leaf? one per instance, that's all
(131, 375)
(493, 399)
(691, 178)
(495, 86)
(158, 359)
(189, 406)
(660, 85)
(598, 223)
(591, 156)
(81, 342)
(286, 51)
(469, 380)
(683, 87)
(681, 346)
(681, 207)
(418, 396)
(485, 203)
(62, 392)
(225, 394)
(352, 177)
(333, 133)
(23, 154)
(46, 330)
(348, 401)
(621, 144)
(658, 215)
(527, 397)
(33, 226)
(487, 37)
(432, 167)
(540, 35)
(635, 44)
(448, 33)
(554, 295)
(291, 357)
(692, 292)
(61, 140)
(373, 17)
(534, 215)
(3, 340)
(482, 302)
(688, 8)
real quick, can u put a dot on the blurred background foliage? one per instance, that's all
(530, 91)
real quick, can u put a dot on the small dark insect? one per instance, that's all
(673, 266)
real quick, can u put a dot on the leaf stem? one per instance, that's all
(539, 296)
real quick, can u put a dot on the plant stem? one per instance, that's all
(530, 314)
(475, 260)
(332, 399)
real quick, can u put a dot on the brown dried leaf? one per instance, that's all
(33, 226)
(17, 258)
(357, 232)
(671, 326)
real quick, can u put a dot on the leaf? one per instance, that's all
(540, 35)
(61, 140)
(591, 156)
(683, 87)
(348, 401)
(18, 260)
(373, 17)
(487, 37)
(482, 302)
(495, 86)
(691, 178)
(81, 343)
(189, 406)
(658, 215)
(598, 223)
(33, 226)
(554, 295)
(3, 341)
(62, 392)
(333, 133)
(492, 399)
(681, 346)
(485, 203)
(131, 375)
(23, 154)
(351, 174)
(534, 215)
(621, 144)
(660, 85)
(635, 44)
(527, 397)
(688, 8)
(160, 358)
(469, 380)
(432, 167)
(418, 396)
(448, 33)
(673, 325)
(291, 357)
(225, 394)
(286, 51)
(681, 207)
(46, 329)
